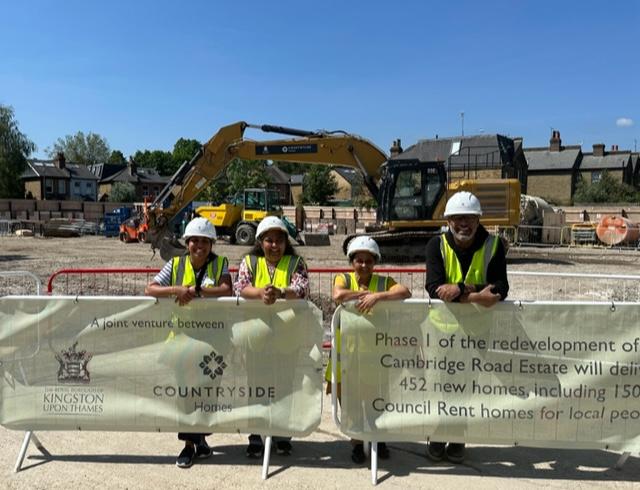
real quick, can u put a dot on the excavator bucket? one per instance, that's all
(166, 241)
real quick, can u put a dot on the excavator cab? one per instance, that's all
(410, 191)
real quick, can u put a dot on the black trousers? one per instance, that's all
(191, 437)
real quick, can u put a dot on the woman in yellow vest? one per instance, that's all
(269, 272)
(366, 288)
(198, 273)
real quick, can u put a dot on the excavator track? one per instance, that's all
(400, 247)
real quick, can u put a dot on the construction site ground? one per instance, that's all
(146, 460)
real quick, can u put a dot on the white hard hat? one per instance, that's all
(363, 244)
(462, 203)
(270, 223)
(199, 227)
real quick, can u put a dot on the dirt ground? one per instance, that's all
(126, 460)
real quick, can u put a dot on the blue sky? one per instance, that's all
(145, 73)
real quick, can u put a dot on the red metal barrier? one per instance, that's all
(149, 273)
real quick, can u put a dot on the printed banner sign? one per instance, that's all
(137, 364)
(536, 374)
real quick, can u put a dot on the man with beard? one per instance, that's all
(465, 264)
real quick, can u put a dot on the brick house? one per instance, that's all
(146, 181)
(58, 179)
(553, 171)
(617, 163)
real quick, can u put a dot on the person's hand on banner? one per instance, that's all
(184, 294)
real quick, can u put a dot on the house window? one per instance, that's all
(87, 185)
(145, 191)
(48, 186)
(595, 177)
(61, 187)
(76, 185)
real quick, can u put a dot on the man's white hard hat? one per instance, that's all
(462, 203)
(200, 227)
(363, 244)
(270, 223)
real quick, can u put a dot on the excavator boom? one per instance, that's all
(229, 144)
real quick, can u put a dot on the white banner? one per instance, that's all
(137, 364)
(536, 374)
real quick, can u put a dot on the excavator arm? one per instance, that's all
(229, 144)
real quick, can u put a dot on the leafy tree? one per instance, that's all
(122, 192)
(216, 192)
(242, 174)
(362, 197)
(184, 149)
(318, 185)
(15, 148)
(607, 189)
(117, 158)
(162, 161)
(293, 168)
(80, 148)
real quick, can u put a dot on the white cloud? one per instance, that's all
(624, 122)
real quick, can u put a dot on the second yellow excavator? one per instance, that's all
(411, 194)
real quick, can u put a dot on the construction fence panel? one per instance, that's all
(140, 364)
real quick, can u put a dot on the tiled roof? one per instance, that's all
(47, 168)
(142, 175)
(617, 160)
(543, 159)
(483, 150)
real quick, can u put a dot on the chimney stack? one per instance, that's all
(598, 150)
(396, 148)
(59, 160)
(555, 143)
(614, 147)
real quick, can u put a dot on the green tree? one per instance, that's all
(122, 192)
(15, 148)
(184, 149)
(80, 148)
(242, 174)
(117, 158)
(318, 185)
(607, 189)
(162, 161)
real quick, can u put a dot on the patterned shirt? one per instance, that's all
(299, 278)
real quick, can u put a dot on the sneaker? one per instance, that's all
(283, 447)
(455, 452)
(436, 451)
(203, 450)
(357, 454)
(185, 458)
(383, 450)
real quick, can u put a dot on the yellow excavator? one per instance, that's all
(411, 194)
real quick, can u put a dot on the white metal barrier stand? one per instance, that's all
(29, 435)
(265, 457)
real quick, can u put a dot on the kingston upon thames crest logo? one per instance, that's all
(213, 365)
(73, 365)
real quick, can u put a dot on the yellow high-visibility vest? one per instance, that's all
(284, 270)
(477, 273)
(182, 272)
